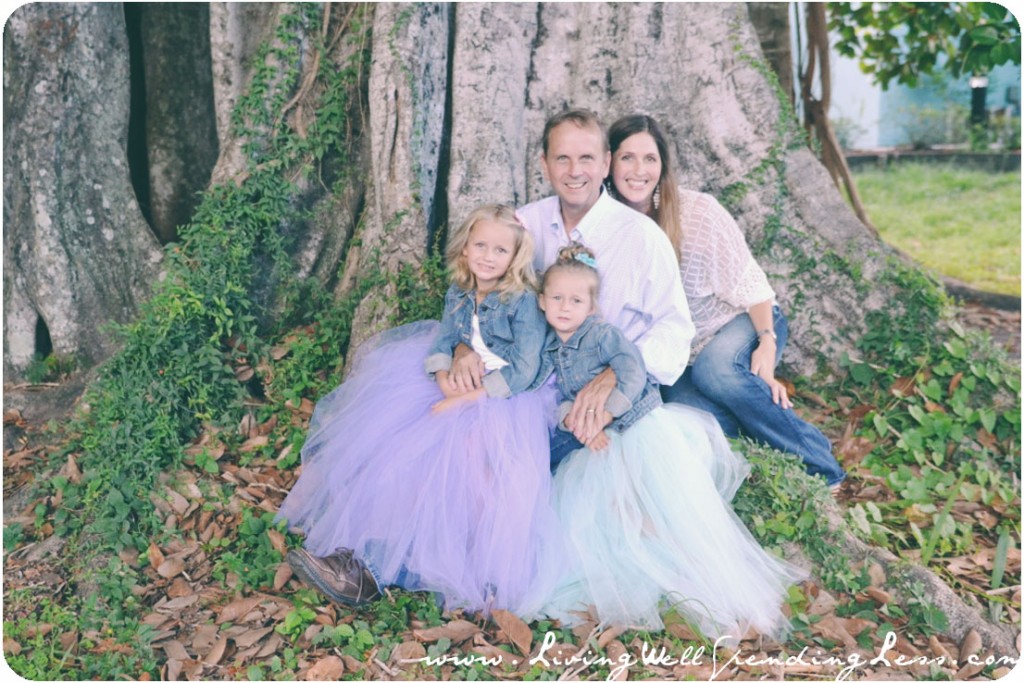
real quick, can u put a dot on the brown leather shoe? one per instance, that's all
(339, 576)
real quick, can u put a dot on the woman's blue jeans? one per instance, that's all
(720, 382)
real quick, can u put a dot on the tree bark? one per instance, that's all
(181, 132)
(771, 21)
(77, 251)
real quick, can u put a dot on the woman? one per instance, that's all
(740, 330)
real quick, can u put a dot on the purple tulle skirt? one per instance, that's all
(456, 503)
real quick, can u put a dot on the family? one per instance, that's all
(651, 335)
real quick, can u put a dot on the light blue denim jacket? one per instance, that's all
(593, 347)
(513, 330)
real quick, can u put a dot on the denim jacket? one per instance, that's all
(513, 329)
(593, 347)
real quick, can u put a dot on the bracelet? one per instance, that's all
(767, 331)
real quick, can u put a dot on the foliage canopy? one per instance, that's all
(902, 41)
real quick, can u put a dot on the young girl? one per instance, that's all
(645, 507)
(407, 482)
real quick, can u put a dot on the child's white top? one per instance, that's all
(491, 361)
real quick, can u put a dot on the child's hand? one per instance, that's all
(452, 401)
(445, 404)
(444, 383)
(595, 425)
(598, 442)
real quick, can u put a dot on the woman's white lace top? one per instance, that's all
(720, 276)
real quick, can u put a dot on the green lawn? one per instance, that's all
(961, 223)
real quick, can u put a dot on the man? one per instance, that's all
(641, 292)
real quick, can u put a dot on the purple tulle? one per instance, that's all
(456, 503)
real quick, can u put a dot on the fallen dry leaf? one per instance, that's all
(233, 611)
(277, 541)
(456, 631)
(252, 637)
(970, 645)
(216, 653)
(253, 443)
(175, 650)
(514, 627)
(179, 589)
(178, 604)
(616, 652)
(204, 638)
(172, 670)
(71, 471)
(407, 652)
(282, 575)
(330, 668)
(156, 557)
(171, 567)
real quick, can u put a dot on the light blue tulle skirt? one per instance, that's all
(649, 528)
(457, 503)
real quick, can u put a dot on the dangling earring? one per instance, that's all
(656, 199)
(610, 187)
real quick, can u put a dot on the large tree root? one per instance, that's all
(1000, 639)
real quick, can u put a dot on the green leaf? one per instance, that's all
(984, 35)
(862, 373)
(881, 425)
(999, 565)
(988, 418)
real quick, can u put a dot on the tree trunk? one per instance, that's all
(77, 251)
(457, 97)
(698, 68)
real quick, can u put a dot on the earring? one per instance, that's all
(610, 187)
(656, 199)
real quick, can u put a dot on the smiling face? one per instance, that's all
(636, 169)
(575, 163)
(567, 299)
(489, 251)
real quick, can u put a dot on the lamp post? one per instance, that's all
(979, 89)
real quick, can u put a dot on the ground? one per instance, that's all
(211, 623)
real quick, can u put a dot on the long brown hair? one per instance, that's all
(520, 275)
(667, 213)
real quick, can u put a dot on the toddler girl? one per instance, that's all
(407, 482)
(645, 506)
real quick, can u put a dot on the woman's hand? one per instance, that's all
(467, 369)
(762, 364)
(588, 411)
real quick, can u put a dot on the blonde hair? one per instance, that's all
(666, 214)
(520, 275)
(576, 258)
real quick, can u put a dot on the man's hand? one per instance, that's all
(762, 364)
(587, 416)
(467, 371)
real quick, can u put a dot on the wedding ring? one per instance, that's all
(591, 411)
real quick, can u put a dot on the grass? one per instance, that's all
(962, 223)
